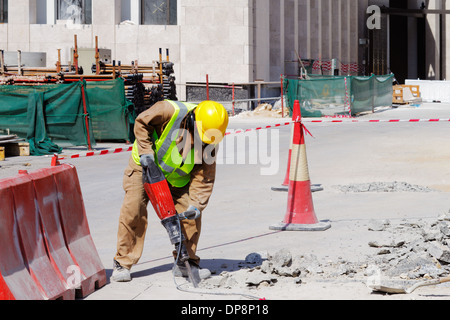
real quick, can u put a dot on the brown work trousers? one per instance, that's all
(133, 219)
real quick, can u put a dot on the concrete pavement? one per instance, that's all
(243, 205)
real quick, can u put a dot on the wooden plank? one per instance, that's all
(21, 149)
(398, 95)
(8, 137)
(3, 142)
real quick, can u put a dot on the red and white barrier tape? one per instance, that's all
(347, 99)
(308, 120)
(95, 153)
(372, 121)
(260, 128)
(337, 120)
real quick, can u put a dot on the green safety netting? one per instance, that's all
(77, 114)
(111, 113)
(321, 96)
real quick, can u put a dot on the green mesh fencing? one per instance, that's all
(45, 115)
(62, 115)
(112, 115)
(318, 96)
(383, 90)
(322, 96)
(371, 92)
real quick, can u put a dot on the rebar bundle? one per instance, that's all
(144, 84)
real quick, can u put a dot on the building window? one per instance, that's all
(79, 11)
(41, 11)
(3, 11)
(159, 12)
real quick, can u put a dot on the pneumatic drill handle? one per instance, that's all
(192, 213)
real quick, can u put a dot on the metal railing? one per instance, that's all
(234, 86)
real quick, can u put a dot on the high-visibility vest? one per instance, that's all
(167, 155)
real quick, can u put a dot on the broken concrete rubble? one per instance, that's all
(382, 187)
(378, 225)
(420, 249)
(267, 110)
(438, 250)
(407, 250)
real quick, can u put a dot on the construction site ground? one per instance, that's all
(243, 207)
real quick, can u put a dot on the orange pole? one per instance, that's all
(233, 100)
(97, 56)
(86, 116)
(75, 54)
(207, 87)
(282, 97)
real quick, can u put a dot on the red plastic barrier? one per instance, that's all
(32, 240)
(47, 200)
(76, 229)
(16, 282)
(46, 250)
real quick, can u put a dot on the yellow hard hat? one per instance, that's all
(212, 121)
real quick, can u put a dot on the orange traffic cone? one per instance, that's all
(285, 186)
(300, 215)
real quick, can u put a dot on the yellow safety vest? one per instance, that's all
(167, 156)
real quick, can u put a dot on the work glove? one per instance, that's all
(192, 213)
(146, 160)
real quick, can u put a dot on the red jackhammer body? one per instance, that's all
(157, 189)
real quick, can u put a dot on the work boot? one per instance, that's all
(181, 271)
(120, 274)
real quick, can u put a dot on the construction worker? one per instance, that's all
(203, 125)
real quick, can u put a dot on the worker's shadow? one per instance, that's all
(217, 266)
(143, 273)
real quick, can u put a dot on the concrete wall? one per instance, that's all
(313, 29)
(212, 36)
(236, 41)
(433, 65)
(215, 40)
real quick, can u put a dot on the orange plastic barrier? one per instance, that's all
(48, 202)
(15, 280)
(47, 251)
(78, 240)
(32, 240)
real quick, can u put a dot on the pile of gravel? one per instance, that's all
(382, 187)
(262, 270)
(407, 250)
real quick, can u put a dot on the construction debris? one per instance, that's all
(266, 110)
(10, 139)
(12, 145)
(400, 251)
(406, 94)
(382, 187)
(144, 84)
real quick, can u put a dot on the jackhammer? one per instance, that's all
(157, 189)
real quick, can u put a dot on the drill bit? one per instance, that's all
(194, 279)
